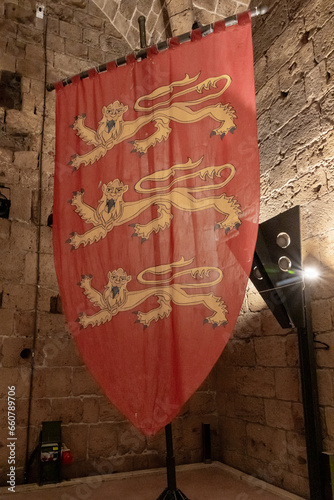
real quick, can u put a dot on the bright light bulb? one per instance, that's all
(311, 273)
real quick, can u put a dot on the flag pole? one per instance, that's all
(142, 53)
(171, 492)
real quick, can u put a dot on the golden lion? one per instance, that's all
(112, 211)
(113, 129)
(116, 298)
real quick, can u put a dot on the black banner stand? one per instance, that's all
(171, 492)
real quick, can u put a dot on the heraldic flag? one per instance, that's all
(155, 216)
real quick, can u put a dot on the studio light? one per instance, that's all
(311, 273)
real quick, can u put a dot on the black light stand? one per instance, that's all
(277, 275)
(171, 492)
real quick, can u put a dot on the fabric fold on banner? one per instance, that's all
(156, 206)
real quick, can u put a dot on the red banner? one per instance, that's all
(155, 216)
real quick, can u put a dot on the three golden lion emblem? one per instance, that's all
(112, 210)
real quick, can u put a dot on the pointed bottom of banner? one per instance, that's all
(168, 494)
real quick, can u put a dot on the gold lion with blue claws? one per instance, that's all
(113, 129)
(113, 211)
(116, 298)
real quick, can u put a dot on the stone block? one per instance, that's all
(31, 68)
(24, 323)
(90, 409)
(52, 382)
(89, 20)
(267, 95)
(297, 457)
(269, 150)
(232, 433)
(108, 412)
(268, 32)
(287, 106)
(7, 321)
(54, 40)
(295, 69)
(326, 117)
(53, 25)
(266, 443)
(7, 62)
(133, 37)
(110, 9)
(285, 46)
(76, 49)
(67, 65)
(51, 324)
(23, 236)
(325, 387)
(249, 409)
(60, 352)
(325, 358)
(329, 415)
(40, 411)
(11, 265)
(9, 175)
(225, 404)
(68, 410)
(279, 414)
(248, 325)
(83, 382)
(260, 73)
(102, 440)
(287, 384)
(300, 131)
(6, 158)
(323, 40)
(270, 325)
(115, 47)
(21, 208)
(296, 484)
(91, 37)
(316, 82)
(321, 315)
(259, 382)
(130, 440)
(97, 56)
(298, 417)
(225, 378)
(20, 297)
(191, 433)
(75, 437)
(241, 352)
(19, 377)
(11, 350)
(30, 268)
(47, 271)
(202, 402)
(271, 351)
(263, 126)
(70, 31)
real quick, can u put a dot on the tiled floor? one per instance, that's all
(198, 482)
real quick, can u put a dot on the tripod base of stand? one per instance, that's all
(168, 494)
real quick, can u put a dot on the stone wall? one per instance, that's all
(259, 393)
(79, 36)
